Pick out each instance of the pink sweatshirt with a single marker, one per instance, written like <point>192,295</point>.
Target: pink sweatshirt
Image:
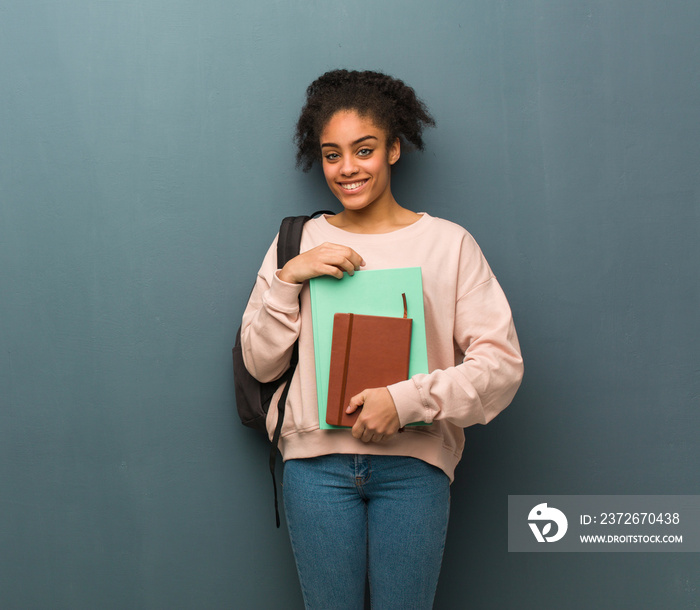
<point>473,353</point>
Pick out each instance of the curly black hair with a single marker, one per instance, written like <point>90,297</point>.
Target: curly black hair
<point>388,101</point>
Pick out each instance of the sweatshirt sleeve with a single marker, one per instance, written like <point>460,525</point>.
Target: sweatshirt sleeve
<point>485,381</point>
<point>271,322</point>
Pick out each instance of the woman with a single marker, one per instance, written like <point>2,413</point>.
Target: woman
<point>374,500</point>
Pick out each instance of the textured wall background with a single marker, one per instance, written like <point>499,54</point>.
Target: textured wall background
<point>145,162</point>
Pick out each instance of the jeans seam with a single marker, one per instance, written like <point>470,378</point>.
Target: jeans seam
<point>360,482</point>
<point>369,576</point>
<point>304,589</point>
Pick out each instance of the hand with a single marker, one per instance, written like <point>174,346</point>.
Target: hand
<point>326,259</point>
<point>378,420</point>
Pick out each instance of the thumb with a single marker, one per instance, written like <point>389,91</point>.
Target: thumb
<point>355,403</point>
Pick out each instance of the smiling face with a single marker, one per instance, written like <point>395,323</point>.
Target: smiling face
<point>356,161</point>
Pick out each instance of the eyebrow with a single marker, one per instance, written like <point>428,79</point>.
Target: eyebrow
<point>362,139</point>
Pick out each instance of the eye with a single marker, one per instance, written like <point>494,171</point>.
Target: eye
<point>332,156</point>
<point>364,152</point>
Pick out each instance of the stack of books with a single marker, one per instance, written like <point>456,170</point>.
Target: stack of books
<point>369,331</point>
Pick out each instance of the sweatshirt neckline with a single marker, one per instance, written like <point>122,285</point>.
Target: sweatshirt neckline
<point>407,231</point>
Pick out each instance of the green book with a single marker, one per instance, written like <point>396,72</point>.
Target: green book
<point>376,293</point>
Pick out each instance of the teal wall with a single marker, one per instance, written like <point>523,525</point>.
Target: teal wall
<point>145,162</point>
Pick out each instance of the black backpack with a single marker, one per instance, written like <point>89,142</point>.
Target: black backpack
<point>253,397</point>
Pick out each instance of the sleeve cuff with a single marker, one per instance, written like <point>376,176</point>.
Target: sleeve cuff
<point>282,296</point>
<point>409,403</point>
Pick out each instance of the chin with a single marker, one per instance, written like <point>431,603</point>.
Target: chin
<point>354,206</point>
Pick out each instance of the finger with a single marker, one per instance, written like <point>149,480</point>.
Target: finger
<point>352,260</point>
<point>366,435</point>
<point>349,267</point>
<point>357,431</point>
<point>335,259</point>
<point>356,260</point>
<point>335,267</point>
<point>346,264</point>
<point>333,270</point>
<point>353,256</point>
<point>368,432</point>
<point>360,432</point>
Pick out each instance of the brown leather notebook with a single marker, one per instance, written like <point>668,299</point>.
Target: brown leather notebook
<point>366,352</point>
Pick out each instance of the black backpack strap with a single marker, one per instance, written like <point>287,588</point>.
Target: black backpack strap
<point>288,245</point>
<point>281,404</point>
<point>289,239</point>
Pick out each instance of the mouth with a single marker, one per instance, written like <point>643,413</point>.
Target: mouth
<point>353,186</point>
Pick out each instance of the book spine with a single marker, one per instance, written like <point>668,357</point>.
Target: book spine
<point>344,400</point>
<point>408,346</point>
<point>342,326</point>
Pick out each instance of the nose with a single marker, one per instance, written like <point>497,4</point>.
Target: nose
<point>348,166</point>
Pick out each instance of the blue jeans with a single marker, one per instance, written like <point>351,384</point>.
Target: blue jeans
<point>355,515</point>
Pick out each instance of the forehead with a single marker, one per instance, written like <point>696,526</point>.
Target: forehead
<point>348,125</point>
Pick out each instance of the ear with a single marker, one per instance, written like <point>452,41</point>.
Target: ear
<point>394,151</point>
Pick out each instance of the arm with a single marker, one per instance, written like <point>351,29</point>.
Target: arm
<point>484,383</point>
<point>271,321</point>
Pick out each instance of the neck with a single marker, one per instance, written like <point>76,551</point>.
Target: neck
<point>375,219</point>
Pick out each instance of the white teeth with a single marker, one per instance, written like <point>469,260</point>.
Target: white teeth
<point>353,186</point>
